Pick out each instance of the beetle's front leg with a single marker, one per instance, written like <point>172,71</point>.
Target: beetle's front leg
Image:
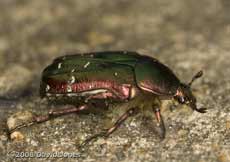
<point>109,131</point>
<point>160,123</point>
<point>52,114</point>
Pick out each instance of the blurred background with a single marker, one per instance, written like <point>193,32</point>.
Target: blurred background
<point>185,35</point>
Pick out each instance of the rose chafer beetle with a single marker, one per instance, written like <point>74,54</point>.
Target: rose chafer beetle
<point>113,77</point>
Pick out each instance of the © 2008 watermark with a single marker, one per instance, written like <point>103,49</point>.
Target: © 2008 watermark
<point>40,154</point>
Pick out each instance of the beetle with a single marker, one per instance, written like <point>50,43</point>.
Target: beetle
<point>113,77</point>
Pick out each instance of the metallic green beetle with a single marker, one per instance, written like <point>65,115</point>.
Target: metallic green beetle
<point>113,77</point>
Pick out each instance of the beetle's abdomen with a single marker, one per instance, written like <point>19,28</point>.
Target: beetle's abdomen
<point>97,89</point>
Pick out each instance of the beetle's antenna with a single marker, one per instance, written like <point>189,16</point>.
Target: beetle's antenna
<point>198,75</point>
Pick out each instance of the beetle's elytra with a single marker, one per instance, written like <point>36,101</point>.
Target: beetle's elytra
<point>115,76</point>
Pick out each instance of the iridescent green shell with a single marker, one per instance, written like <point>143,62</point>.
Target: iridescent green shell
<point>121,67</point>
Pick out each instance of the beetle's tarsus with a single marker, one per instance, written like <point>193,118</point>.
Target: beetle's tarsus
<point>21,126</point>
<point>51,114</point>
<point>201,110</point>
<point>160,123</point>
<point>109,131</point>
<point>103,134</point>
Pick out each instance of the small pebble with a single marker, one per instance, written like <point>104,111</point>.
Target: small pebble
<point>16,136</point>
<point>18,118</point>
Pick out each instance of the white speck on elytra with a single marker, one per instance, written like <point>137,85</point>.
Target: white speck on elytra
<point>86,65</point>
<point>72,80</point>
<point>69,88</point>
<point>59,65</point>
<point>115,74</point>
<point>73,70</point>
<point>47,88</point>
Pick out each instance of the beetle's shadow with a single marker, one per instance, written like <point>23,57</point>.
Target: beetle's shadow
<point>96,107</point>
<point>29,90</point>
<point>12,98</point>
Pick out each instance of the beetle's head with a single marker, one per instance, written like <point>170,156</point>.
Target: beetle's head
<point>184,94</point>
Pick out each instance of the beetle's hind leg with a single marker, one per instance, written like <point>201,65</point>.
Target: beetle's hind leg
<point>109,131</point>
<point>52,114</point>
<point>160,123</point>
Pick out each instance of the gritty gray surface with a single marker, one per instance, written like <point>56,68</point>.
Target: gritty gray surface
<point>185,35</point>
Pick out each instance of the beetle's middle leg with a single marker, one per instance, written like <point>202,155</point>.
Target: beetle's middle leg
<point>110,130</point>
<point>52,114</point>
<point>160,123</point>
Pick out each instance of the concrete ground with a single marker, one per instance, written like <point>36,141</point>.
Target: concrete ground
<point>185,35</point>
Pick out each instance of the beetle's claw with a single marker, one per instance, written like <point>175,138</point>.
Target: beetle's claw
<point>160,129</point>
<point>88,140</point>
<point>20,126</point>
<point>201,110</point>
